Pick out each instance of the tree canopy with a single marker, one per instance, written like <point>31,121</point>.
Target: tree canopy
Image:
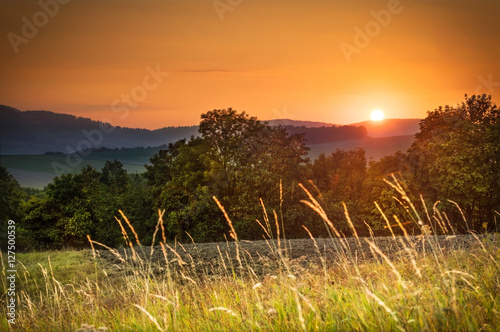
<point>456,156</point>
<point>254,170</point>
<point>237,159</point>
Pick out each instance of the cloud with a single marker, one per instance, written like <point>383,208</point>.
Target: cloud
<point>227,71</point>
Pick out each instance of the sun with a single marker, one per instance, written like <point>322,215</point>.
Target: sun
<point>377,115</point>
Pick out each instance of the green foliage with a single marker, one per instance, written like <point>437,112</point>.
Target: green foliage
<point>11,202</point>
<point>237,159</point>
<point>11,197</point>
<point>241,161</point>
<point>376,190</point>
<point>456,156</point>
<point>76,205</point>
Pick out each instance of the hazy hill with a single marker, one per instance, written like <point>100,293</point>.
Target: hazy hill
<point>37,132</point>
<point>319,135</point>
<point>299,123</point>
<point>37,171</point>
<point>391,127</point>
<point>384,128</point>
<point>26,137</point>
<point>375,147</point>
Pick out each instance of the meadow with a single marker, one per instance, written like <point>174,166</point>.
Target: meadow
<point>36,171</point>
<point>430,282</point>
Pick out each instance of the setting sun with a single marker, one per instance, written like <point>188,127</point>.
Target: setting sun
<point>377,115</point>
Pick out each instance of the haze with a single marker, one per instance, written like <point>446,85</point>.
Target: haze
<point>302,60</point>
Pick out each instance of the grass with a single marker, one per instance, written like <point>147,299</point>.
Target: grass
<point>439,289</point>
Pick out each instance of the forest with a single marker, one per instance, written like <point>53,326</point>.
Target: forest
<point>257,172</point>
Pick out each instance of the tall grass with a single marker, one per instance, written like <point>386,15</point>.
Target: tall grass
<point>406,283</point>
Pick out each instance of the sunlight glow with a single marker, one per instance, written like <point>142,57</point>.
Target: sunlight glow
<point>377,115</point>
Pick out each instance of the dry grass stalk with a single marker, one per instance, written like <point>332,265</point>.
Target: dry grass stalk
<point>277,231</point>
<point>127,240</point>
<point>180,261</point>
<point>266,219</point>
<point>386,220</point>
<point>315,206</point>
<point>160,213</point>
<point>387,260</point>
<point>351,225</point>
<point>131,227</point>
<point>112,250</point>
<point>155,322</point>
<point>233,231</point>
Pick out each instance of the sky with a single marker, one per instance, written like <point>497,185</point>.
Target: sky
<point>156,63</point>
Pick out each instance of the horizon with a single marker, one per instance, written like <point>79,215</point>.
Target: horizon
<point>136,64</point>
<point>375,122</point>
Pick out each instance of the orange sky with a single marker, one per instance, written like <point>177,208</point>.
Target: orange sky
<point>273,59</point>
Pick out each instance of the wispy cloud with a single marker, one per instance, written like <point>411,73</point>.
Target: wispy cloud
<point>226,71</point>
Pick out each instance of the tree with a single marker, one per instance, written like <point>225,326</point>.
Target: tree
<point>340,178</point>
<point>456,156</point>
<point>137,204</point>
<point>375,189</point>
<point>11,197</point>
<point>11,202</point>
<point>238,159</point>
<point>114,176</point>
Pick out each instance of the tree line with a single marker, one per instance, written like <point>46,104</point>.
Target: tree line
<point>254,170</point>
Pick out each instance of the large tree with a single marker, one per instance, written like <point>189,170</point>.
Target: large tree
<point>236,158</point>
<point>456,156</point>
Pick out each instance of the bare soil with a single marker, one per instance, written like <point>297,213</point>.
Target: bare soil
<point>268,257</point>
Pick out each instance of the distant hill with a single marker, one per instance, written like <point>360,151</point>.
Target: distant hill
<point>319,135</point>
<point>37,132</point>
<point>375,147</point>
<point>27,136</point>
<point>299,123</point>
<point>384,128</point>
<point>36,170</point>
<point>391,127</point>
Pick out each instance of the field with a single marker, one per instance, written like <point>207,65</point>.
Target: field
<point>438,283</point>
<point>375,147</point>
<point>36,171</point>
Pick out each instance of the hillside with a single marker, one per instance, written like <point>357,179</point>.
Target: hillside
<point>36,170</point>
<point>299,123</point>
<point>37,132</point>
<point>384,128</point>
<point>26,137</point>
<point>390,127</point>
<point>375,147</point>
